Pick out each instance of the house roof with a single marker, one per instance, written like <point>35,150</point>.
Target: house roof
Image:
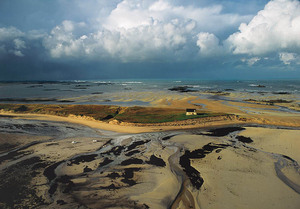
<point>190,110</point>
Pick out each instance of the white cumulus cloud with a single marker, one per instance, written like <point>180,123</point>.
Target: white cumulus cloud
<point>275,28</point>
<point>11,41</point>
<point>135,44</point>
<point>144,30</point>
<point>10,33</point>
<point>164,31</point>
<point>208,44</point>
<point>251,61</point>
<point>288,58</point>
<point>62,40</point>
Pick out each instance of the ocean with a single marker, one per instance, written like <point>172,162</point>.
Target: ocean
<point>114,92</point>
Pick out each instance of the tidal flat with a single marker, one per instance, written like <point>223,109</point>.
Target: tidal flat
<point>125,145</point>
<point>48,163</point>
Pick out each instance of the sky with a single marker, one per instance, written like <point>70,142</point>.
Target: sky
<point>155,39</point>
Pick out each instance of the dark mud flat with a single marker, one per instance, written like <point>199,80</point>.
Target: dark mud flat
<point>7,146</point>
<point>136,144</point>
<point>105,162</point>
<point>24,175</point>
<point>110,187</point>
<point>6,116</point>
<point>110,174</point>
<point>49,172</point>
<point>219,132</point>
<point>128,174</point>
<point>191,172</point>
<point>17,153</point>
<point>114,150</point>
<point>132,161</point>
<point>132,152</point>
<point>87,169</point>
<point>15,185</point>
<point>156,161</point>
<point>244,139</point>
<point>65,184</point>
<point>113,175</point>
<point>168,137</point>
<point>82,159</point>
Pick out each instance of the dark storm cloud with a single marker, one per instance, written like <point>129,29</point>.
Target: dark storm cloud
<point>64,39</point>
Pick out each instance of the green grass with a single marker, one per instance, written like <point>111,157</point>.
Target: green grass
<point>98,112</point>
<point>154,118</point>
<point>106,112</point>
<point>158,115</point>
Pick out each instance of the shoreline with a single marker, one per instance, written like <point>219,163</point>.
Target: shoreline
<point>134,128</point>
<point>122,127</point>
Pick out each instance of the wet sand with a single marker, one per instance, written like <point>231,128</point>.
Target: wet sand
<point>47,162</point>
<point>249,160</point>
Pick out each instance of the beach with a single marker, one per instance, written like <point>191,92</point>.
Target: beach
<point>153,104</point>
<point>236,154</point>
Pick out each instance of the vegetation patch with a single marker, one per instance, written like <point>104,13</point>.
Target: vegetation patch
<point>98,112</point>
<point>158,115</point>
<point>15,185</point>
<point>108,112</point>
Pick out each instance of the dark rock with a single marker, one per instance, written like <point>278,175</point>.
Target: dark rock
<point>156,161</point>
<point>132,161</point>
<point>82,159</point>
<point>135,144</point>
<point>115,150</point>
<point>105,162</point>
<point>132,153</point>
<point>60,202</point>
<point>191,172</point>
<point>167,137</point>
<point>244,139</point>
<point>49,172</point>
<point>53,188</point>
<point>113,175</point>
<point>282,92</point>
<point>110,187</point>
<point>87,169</point>
<point>129,172</point>
<point>223,131</point>
<point>130,182</point>
<point>182,89</point>
<point>277,101</point>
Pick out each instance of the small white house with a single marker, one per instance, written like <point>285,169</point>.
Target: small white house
<point>191,112</point>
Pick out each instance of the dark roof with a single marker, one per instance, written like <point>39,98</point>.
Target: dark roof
<point>190,110</point>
